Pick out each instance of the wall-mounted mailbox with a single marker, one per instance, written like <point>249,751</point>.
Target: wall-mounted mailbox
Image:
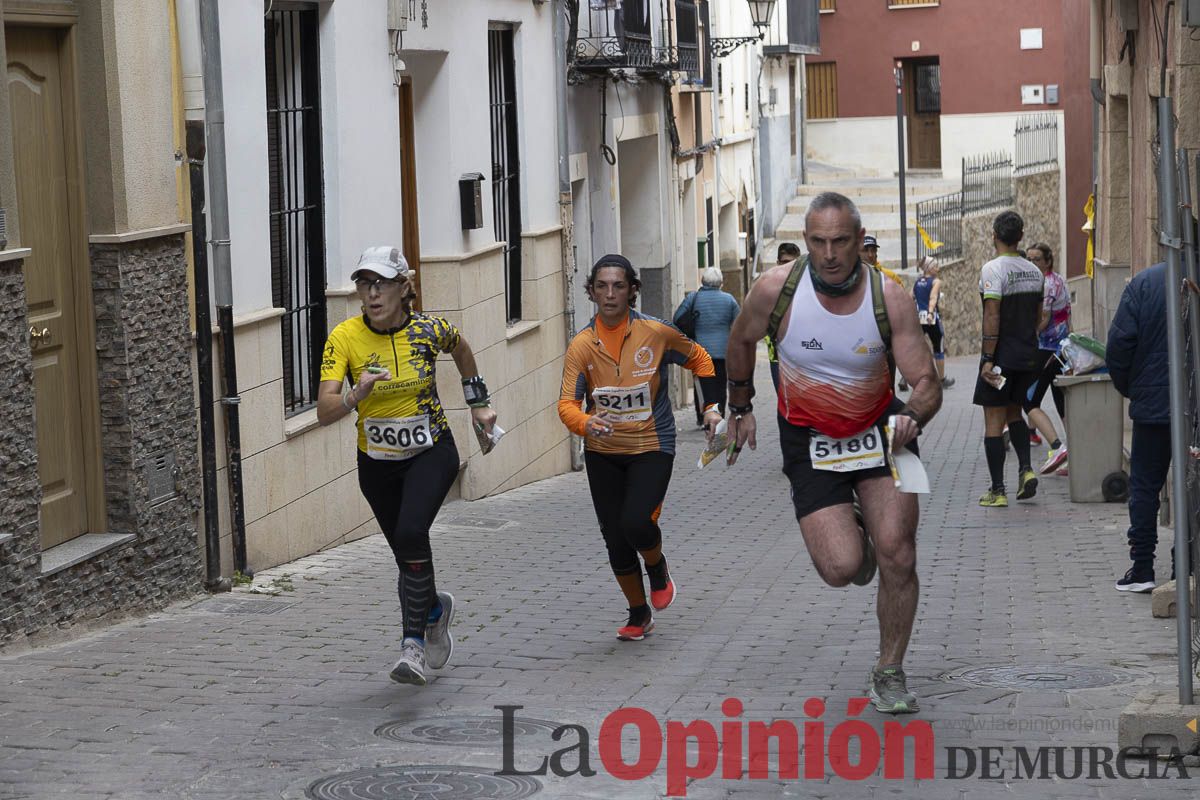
<point>470,199</point>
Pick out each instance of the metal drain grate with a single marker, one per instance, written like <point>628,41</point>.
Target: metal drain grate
<point>477,522</point>
<point>1055,677</point>
<point>462,730</point>
<point>231,606</point>
<point>422,783</point>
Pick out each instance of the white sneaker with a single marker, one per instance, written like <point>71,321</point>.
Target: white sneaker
<point>411,666</point>
<point>439,643</point>
<point>1054,460</point>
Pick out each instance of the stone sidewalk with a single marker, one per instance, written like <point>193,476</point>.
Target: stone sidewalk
<point>287,696</point>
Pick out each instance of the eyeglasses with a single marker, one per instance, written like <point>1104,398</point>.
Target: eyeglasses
<point>379,284</point>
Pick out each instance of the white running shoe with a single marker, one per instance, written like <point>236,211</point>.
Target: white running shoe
<point>1054,460</point>
<point>439,642</point>
<point>411,666</point>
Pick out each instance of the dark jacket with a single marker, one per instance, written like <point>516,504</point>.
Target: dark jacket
<point>1137,347</point>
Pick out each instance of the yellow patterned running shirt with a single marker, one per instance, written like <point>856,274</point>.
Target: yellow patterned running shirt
<point>408,353</point>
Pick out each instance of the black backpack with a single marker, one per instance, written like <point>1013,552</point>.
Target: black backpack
<point>881,317</point>
<point>686,320</point>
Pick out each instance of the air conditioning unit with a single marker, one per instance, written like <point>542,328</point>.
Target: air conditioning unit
<point>397,15</point>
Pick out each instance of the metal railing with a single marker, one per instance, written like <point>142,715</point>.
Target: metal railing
<point>941,218</point>
<point>987,182</point>
<point>1036,143</point>
<point>635,34</point>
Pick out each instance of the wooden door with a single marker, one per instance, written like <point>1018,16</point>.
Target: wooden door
<point>408,186</point>
<point>923,104</point>
<point>43,140</point>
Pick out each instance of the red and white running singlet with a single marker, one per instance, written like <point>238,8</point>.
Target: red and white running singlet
<point>833,369</point>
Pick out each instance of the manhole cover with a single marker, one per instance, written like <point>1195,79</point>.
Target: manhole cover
<point>477,522</point>
<point>1042,676</point>
<point>224,606</point>
<point>422,783</point>
<point>462,731</point>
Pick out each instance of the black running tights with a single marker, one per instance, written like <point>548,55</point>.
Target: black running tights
<point>627,491</point>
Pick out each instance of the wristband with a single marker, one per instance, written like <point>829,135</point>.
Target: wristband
<point>987,358</point>
<point>746,409</point>
<point>736,384</point>
<point>475,392</point>
<point>346,405</point>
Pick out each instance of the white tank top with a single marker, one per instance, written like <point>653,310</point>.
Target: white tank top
<point>833,369</point>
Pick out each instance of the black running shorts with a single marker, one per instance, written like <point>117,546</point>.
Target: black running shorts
<point>1016,387</point>
<point>814,489</point>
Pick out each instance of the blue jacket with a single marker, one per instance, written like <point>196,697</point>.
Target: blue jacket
<point>1137,347</point>
<point>717,310</point>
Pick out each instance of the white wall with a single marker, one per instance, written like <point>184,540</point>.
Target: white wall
<point>449,65</point>
<point>869,143</point>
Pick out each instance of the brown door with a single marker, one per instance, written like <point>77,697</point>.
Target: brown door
<point>408,186</point>
<point>43,142</point>
<point>923,104</point>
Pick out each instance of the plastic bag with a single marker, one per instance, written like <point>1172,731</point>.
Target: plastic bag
<point>1093,346</point>
<point>1077,359</point>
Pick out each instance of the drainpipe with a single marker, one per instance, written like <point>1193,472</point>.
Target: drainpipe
<point>214,123</point>
<point>1095,82</point>
<point>208,445</point>
<point>566,210</point>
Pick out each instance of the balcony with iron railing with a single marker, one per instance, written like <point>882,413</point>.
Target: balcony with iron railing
<point>651,36</point>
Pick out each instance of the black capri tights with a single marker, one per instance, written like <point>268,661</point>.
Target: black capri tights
<point>1045,380</point>
<point>405,496</point>
<point>627,491</point>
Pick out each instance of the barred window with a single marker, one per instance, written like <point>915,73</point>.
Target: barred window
<point>297,218</point>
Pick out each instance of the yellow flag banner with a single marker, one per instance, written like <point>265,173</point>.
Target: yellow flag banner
<point>930,244</point>
<point>1089,227</point>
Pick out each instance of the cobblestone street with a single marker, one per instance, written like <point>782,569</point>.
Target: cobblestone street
<point>287,696</point>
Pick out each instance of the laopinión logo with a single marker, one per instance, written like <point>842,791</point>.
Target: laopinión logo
<point>852,750</point>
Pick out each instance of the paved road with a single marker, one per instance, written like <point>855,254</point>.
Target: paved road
<point>255,696</point>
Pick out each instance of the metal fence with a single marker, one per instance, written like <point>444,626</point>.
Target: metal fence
<point>987,182</point>
<point>941,219</point>
<point>1036,143</point>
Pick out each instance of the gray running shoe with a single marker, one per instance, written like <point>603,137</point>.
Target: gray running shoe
<point>888,690</point>
<point>439,643</point>
<point>866,571</point>
<point>411,666</point>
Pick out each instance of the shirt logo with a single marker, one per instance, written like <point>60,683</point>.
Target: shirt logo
<point>643,357</point>
<point>812,344</point>
<point>864,348</point>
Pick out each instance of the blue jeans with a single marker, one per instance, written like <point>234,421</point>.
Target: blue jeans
<point>1148,462</point>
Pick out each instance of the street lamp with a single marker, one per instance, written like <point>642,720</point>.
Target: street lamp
<point>760,13</point>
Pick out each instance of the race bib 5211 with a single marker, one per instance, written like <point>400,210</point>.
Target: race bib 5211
<point>627,403</point>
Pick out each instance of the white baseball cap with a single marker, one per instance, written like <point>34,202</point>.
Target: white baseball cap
<point>385,261</point>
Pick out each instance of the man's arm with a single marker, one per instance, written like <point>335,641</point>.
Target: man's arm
<point>741,353</point>
<point>1122,342</point>
<point>913,360</point>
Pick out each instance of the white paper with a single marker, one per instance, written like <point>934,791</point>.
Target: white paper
<point>913,479</point>
<point>907,469</point>
<point>1031,38</point>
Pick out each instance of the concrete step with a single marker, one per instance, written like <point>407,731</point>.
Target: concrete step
<point>884,188</point>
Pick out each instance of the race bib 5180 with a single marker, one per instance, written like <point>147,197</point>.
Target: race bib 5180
<point>864,451</point>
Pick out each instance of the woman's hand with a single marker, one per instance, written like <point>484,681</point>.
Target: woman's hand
<point>712,418</point>
<point>367,381</point>
<point>483,418</point>
<point>599,424</point>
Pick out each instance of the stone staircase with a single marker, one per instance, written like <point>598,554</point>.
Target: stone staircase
<point>878,200</point>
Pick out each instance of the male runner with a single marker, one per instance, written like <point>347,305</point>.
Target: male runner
<point>835,394</point>
<point>1011,289</point>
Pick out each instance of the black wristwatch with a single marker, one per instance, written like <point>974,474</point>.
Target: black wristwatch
<point>746,409</point>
